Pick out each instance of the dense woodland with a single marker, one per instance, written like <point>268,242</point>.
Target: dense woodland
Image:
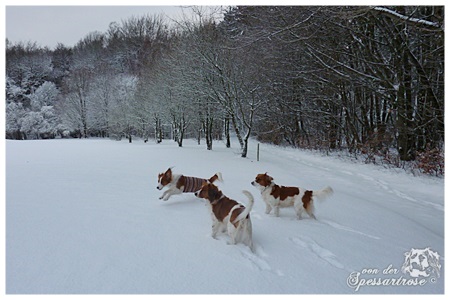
<point>363,79</point>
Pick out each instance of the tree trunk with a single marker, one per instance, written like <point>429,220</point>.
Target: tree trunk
<point>405,122</point>
<point>227,132</point>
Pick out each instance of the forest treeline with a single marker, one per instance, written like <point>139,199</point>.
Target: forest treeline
<point>365,79</point>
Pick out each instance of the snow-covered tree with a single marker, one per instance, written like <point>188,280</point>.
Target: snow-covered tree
<point>122,118</point>
<point>14,115</point>
<point>44,95</point>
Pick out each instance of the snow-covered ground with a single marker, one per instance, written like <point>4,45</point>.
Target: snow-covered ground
<point>83,216</point>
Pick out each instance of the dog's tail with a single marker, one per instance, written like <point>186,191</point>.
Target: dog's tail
<point>217,176</point>
<point>323,194</point>
<point>248,207</point>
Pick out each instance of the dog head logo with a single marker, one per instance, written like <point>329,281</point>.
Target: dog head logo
<point>421,263</point>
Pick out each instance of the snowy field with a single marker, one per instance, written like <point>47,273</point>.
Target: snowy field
<point>83,216</point>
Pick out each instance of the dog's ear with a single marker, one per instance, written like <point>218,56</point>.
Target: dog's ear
<point>268,177</point>
<point>213,193</point>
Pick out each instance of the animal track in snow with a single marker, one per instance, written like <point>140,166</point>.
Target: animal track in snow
<point>346,172</point>
<point>385,186</point>
<point>427,203</point>
<point>318,250</point>
<point>260,263</point>
<point>256,259</point>
<point>345,228</point>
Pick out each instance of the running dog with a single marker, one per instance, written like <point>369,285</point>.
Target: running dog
<point>177,183</point>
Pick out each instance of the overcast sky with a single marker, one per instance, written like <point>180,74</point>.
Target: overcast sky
<point>43,22</point>
<point>49,25</point>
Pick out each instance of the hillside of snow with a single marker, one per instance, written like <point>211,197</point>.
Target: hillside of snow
<point>83,216</point>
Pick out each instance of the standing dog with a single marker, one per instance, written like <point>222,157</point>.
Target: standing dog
<point>229,213</point>
<point>277,196</point>
<point>177,184</point>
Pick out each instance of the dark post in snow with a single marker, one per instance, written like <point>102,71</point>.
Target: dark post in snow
<point>257,152</point>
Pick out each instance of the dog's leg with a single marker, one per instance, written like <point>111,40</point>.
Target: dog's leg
<point>298,206</point>
<point>232,239</point>
<point>215,228</point>
<point>170,193</point>
<point>163,195</point>
<point>248,235</point>
<point>310,211</point>
<point>232,232</point>
<point>298,211</point>
<point>167,195</point>
<point>249,244</point>
<point>277,210</point>
<point>268,208</point>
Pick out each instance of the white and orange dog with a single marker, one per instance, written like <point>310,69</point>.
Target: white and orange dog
<point>228,213</point>
<point>276,196</point>
<point>177,183</point>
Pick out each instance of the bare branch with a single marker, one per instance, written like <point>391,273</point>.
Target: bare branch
<point>393,14</point>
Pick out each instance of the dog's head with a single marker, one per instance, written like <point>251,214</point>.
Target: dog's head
<point>164,179</point>
<point>209,192</point>
<point>421,262</point>
<point>262,181</point>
